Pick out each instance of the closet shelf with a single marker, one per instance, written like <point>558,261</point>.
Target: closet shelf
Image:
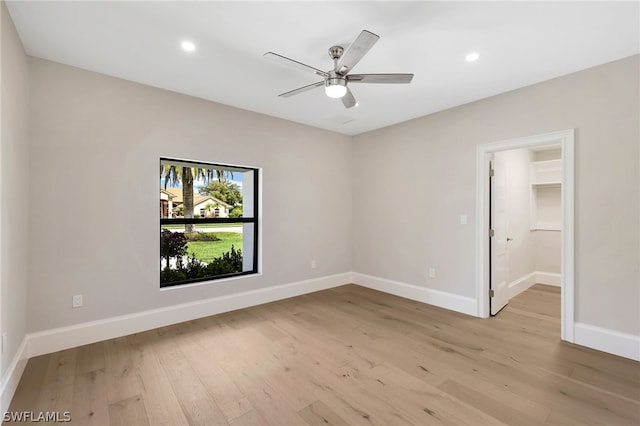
<point>547,185</point>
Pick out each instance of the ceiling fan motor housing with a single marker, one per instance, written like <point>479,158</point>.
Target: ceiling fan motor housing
<point>335,79</point>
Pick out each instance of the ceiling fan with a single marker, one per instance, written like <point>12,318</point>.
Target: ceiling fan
<point>335,81</point>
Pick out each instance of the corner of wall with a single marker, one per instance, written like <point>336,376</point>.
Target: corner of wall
<point>11,378</point>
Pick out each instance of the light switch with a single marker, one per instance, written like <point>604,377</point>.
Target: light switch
<point>463,219</point>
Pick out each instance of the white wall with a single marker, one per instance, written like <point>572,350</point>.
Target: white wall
<point>15,172</point>
<point>547,251</point>
<point>428,164</point>
<point>104,137</point>
<point>548,207</point>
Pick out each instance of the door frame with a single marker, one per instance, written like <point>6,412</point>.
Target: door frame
<point>565,139</point>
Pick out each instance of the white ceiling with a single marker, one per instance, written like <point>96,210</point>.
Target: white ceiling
<point>520,43</point>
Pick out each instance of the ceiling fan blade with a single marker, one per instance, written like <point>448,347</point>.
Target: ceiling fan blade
<point>379,78</point>
<point>290,62</point>
<point>348,100</point>
<point>301,89</point>
<point>356,51</point>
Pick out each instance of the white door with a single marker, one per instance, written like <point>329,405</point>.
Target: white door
<point>498,223</point>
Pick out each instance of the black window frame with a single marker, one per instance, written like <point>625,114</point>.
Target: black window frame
<point>184,221</point>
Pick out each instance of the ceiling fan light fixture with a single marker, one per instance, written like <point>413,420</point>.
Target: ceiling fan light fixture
<point>336,88</point>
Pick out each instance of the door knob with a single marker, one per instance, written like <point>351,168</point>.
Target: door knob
<point>509,239</point>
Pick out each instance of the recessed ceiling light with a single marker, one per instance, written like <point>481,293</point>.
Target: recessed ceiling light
<point>188,46</point>
<point>472,56</point>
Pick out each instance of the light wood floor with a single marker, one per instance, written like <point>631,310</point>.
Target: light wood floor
<point>346,356</point>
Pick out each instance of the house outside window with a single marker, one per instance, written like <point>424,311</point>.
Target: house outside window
<point>208,221</point>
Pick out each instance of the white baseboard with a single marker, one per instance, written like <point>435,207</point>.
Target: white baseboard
<point>606,340</point>
<point>11,378</point>
<point>548,278</point>
<point>57,339</point>
<point>442,299</point>
<point>521,284</point>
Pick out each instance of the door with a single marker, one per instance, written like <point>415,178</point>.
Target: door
<point>498,248</point>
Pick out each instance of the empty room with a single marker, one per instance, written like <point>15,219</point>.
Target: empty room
<point>320,213</point>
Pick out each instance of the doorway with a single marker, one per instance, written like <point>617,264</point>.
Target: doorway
<point>525,195</point>
<point>485,155</point>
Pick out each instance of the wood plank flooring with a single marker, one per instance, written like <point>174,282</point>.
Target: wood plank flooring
<point>345,356</point>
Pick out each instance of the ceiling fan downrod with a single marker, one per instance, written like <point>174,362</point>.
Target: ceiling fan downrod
<point>335,83</point>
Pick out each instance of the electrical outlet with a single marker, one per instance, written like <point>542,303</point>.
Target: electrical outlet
<point>314,264</point>
<point>77,301</point>
<point>464,219</point>
<point>432,272</point>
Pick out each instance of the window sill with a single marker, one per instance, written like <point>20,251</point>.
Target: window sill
<point>209,282</point>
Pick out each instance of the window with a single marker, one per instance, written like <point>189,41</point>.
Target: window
<point>208,221</point>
